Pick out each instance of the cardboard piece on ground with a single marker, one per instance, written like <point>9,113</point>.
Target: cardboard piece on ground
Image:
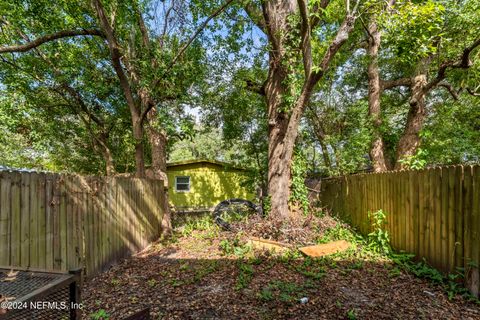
<point>321,250</point>
<point>264,244</point>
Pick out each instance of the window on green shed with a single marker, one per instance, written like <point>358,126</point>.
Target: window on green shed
<point>182,184</point>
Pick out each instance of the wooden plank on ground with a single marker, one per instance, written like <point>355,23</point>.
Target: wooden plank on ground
<point>325,249</point>
<point>269,245</point>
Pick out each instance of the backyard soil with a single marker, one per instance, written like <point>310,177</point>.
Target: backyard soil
<point>192,278</point>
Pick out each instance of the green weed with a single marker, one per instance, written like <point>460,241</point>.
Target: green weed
<point>245,275</point>
<point>265,294</point>
<point>152,282</point>
<point>205,270</point>
<point>204,223</point>
<point>378,239</point>
<point>351,314</point>
<point>100,315</point>
<point>311,268</point>
<point>115,282</point>
<point>339,232</point>
<point>235,247</point>
<point>184,267</point>
<point>283,291</point>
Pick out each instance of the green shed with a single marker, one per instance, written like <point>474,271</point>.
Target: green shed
<point>198,185</point>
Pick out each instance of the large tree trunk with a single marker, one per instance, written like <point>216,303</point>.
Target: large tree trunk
<point>410,139</point>
<point>283,131</point>
<point>158,142</point>
<point>279,166</point>
<point>283,115</point>
<point>279,149</point>
<point>377,150</point>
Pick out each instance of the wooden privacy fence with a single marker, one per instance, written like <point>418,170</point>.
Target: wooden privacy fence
<point>60,222</point>
<point>433,213</point>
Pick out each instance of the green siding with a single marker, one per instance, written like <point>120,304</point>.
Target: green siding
<point>209,184</point>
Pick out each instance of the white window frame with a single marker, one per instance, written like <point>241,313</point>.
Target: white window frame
<point>189,183</point>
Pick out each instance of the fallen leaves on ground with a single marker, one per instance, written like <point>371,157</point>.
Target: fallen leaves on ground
<point>192,279</point>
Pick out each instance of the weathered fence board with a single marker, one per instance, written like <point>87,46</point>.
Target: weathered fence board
<point>433,213</point>
<point>58,221</point>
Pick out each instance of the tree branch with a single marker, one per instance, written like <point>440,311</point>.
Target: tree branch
<point>149,106</point>
<point>255,15</point>
<point>51,37</point>
<point>115,56</point>
<point>83,106</point>
<point>255,87</point>
<point>473,93</point>
<point>316,11</point>
<point>449,88</point>
<point>198,31</point>
<point>390,84</point>
<point>165,24</point>
<point>306,44</point>
<point>342,36</point>
<point>463,62</point>
<point>141,26</point>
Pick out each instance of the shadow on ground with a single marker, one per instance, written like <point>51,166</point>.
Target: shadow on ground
<point>191,279</point>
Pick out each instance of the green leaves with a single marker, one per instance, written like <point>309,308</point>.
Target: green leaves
<point>417,161</point>
<point>413,29</point>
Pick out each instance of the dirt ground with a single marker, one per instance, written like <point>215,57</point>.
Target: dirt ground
<point>193,278</point>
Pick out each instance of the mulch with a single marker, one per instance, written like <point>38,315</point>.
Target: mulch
<point>191,279</point>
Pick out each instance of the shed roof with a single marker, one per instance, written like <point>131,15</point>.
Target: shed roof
<point>203,161</point>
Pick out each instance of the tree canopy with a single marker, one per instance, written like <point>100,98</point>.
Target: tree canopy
<point>333,86</point>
